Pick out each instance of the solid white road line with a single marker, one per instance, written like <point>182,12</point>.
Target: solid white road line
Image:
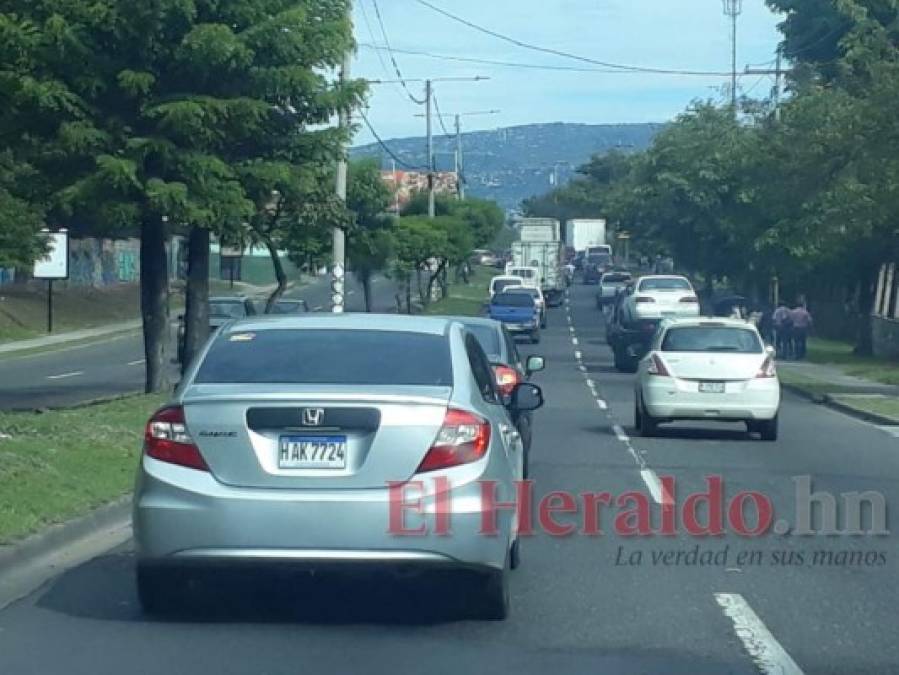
<point>758,641</point>
<point>136,363</point>
<point>63,376</point>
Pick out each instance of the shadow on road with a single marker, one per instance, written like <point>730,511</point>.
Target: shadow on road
<point>270,596</point>
<point>698,433</point>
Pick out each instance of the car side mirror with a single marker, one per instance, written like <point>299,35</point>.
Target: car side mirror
<point>535,364</point>
<point>526,397</point>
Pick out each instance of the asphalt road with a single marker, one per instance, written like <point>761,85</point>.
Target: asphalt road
<point>113,367</point>
<point>576,607</point>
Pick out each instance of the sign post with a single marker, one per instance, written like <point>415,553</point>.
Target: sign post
<point>54,265</point>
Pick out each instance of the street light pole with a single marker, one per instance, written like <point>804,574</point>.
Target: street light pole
<point>733,9</point>
<point>432,207</point>
<point>460,166</point>
<point>338,236</point>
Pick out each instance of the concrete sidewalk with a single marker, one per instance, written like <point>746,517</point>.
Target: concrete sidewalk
<point>823,375</point>
<point>68,337</point>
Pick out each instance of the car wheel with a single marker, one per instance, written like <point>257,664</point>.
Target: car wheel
<point>649,426</point>
<point>638,419</point>
<point>535,337</point>
<point>495,595</point>
<point>515,554</point>
<point>619,361</point>
<point>768,429</point>
<point>159,592</point>
<point>543,322</point>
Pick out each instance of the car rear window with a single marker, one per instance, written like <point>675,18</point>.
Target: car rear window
<point>599,259</point>
<point>616,278</point>
<point>513,300</point>
<point>233,310</point>
<point>527,291</point>
<point>500,285</point>
<point>523,273</point>
<point>665,285</point>
<point>319,356</point>
<point>712,339</point>
<point>487,337</point>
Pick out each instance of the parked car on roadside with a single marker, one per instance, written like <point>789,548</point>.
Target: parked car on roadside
<point>221,310</point>
<point>278,447</point>
<point>708,369</point>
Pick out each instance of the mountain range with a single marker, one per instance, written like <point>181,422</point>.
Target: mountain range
<point>514,163</point>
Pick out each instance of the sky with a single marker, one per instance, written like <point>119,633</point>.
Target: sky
<point>669,34</point>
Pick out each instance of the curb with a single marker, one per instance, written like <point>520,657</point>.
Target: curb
<point>62,535</point>
<point>874,418</point>
<point>828,401</point>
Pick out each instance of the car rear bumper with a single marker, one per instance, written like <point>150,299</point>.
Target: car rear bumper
<point>522,327</point>
<point>671,398</point>
<point>187,517</point>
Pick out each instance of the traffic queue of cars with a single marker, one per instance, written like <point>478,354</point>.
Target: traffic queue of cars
<point>291,438</point>
<point>688,367</point>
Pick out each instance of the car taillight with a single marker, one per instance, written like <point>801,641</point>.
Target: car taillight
<point>462,439</point>
<point>657,367</point>
<point>506,379</point>
<point>692,299</point>
<point>644,299</point>
<point>167,439</point>
<point>768,369</point>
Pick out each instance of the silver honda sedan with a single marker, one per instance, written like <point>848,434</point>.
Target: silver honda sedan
<point>320,439</point>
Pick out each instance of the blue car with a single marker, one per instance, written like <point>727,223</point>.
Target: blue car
<point>518,312</point>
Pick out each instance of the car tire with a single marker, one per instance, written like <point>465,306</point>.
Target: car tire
<point>535,337</point>
<point>515,554</point>
<point>768,429</point>
<point>638,418</point>
<point>543,322</point>
<point>649,426</point>
<point>159,592</point>
<point>495,594</point>
<point>618,359</point>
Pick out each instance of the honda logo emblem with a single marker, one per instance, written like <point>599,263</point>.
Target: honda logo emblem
<point>313,417</point>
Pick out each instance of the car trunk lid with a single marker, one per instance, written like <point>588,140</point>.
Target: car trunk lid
<point>713,366</point>
<point>247,433</point>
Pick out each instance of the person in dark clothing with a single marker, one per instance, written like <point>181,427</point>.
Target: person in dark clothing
<point>783,330</point>
<point>802,324</point>
<point>766,324</point>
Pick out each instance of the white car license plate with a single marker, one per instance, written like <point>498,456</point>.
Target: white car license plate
<point>711,387</point>
<point>312,452</point>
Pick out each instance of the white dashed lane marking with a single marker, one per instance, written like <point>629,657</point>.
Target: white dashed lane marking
<point>760,644</point>
<point>62,376</point>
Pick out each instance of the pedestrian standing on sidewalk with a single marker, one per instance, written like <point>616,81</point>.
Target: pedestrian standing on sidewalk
<point>802,325</point>
<point>783,324</point>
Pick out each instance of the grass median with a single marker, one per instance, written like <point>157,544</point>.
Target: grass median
<point>840,355</point>
<point>465,299</point>
<point>886,407</point>
<point>60,464</point>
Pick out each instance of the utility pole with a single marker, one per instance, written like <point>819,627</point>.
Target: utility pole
<point>778,72</point>
<point>733,9</point>
<point>432,209</point>
<point>338,236</point>
<point>459,161</point>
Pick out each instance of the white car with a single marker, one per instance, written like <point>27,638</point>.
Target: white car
<point>708,369</point>
<point>501,282</point>
<point>530,275</point>
<point>660,297</point>
<point>610,284</point>
<point>539,300</point>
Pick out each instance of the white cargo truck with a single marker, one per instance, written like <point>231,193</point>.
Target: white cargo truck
<point>540,248</point>
<point>582,233</point>
<point>539,229</point>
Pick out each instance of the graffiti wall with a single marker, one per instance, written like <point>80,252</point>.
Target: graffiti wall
<point>103,262</point>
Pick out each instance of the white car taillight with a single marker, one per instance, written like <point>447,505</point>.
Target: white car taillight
<point>657,367</point>
<point>768,369</point>
<point>463,438</point>
<point>692,299</point>
<point>644,299</point>
<point>166,438</point>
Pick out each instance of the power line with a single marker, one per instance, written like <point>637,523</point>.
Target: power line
<point>567,55</point>
<point>439,115</point>
<point>392,57</point>
<point>383,63</point>
<point>386,148</point>
<point>507,64</point>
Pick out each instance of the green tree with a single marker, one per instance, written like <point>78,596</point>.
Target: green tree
<point>370,241</point>
<point>139,115</point>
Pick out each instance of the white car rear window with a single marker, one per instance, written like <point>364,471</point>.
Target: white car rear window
<point>712,339</point>
<point>665,285</point>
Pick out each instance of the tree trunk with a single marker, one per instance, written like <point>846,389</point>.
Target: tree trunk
<point>408,293</point>
<point>154,296</point>
<point>279,275</point>
<point>864,345</point>
<point>424,297</point>
<point>196,306</point>
<point>435,278</point>
<point>364,277</point>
